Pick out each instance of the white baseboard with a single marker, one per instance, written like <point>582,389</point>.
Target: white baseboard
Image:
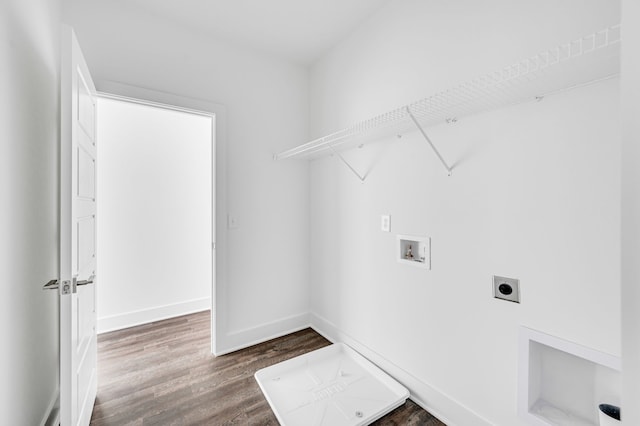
<point>442,406</point>
<point>241,339</point>
<point>52,414</point>
<point>144,316</point>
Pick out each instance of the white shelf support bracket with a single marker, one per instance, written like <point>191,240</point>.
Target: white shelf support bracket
<point>433,147</point>
<point>346,163</point>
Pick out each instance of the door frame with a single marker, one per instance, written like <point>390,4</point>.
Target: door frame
<point>123,92</point>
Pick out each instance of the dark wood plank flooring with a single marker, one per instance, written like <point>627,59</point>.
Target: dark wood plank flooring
<point>164,374</point>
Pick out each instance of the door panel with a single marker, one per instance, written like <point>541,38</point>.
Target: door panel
<point>78,349</point>
<point>86,174</point>
<point>86,245</point>
<point>86,107</point>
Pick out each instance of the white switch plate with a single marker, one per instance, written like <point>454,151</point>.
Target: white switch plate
<point>232,222</point>
<point>385,223</point>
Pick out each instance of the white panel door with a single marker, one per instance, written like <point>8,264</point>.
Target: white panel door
<point>78,350</point>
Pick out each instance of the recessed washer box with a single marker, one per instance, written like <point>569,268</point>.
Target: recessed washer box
<point>414,251</point>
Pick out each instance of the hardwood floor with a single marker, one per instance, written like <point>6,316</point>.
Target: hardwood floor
<point>164,374</point>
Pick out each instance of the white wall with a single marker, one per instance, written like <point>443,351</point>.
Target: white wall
<point>154,231</point>
<point>29,117</point>
<point>535,194</point>
<point>630,85</point>
<point>265,291</point>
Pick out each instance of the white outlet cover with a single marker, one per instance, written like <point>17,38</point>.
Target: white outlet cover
<point>385,223</point>
<point>511,292</point>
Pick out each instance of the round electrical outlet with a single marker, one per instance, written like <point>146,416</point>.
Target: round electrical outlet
<point>505,289</point>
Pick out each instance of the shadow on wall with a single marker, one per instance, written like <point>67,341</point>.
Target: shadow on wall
<point>29,83</point>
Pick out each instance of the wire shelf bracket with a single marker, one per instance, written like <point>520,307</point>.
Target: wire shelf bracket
<point>433,147</point>
<point>349,166</point>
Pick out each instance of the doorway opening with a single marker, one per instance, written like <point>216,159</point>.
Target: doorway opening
<point>156,215</point>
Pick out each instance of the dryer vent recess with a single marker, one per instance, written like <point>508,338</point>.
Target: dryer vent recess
<point>506,289</point>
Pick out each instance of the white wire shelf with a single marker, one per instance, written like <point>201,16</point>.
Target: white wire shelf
<point>577,63</point>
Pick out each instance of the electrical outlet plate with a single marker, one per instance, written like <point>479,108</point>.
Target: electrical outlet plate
<point>506,288</point>
<point>385,223</point>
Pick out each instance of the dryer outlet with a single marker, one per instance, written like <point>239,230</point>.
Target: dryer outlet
<point>506,288</point>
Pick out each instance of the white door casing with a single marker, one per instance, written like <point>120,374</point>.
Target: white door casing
<point>78,349</point>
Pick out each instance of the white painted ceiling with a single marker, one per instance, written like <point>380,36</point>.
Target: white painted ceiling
<point>296,30</point>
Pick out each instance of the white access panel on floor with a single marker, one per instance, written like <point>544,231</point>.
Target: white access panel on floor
<point>330,386</point>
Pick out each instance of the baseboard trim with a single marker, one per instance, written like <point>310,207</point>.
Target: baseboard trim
<point>52,414</point>
<point>431,399</point>
<point>131,319</point>
<point>241,339</point>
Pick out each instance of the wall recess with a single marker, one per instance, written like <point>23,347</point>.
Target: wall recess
<point>562,383</point>
<point>415,251</point>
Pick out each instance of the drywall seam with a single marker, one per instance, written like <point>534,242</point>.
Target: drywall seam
<point>431,399</point>
<point>244,338</point>
<point>130,319</point>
